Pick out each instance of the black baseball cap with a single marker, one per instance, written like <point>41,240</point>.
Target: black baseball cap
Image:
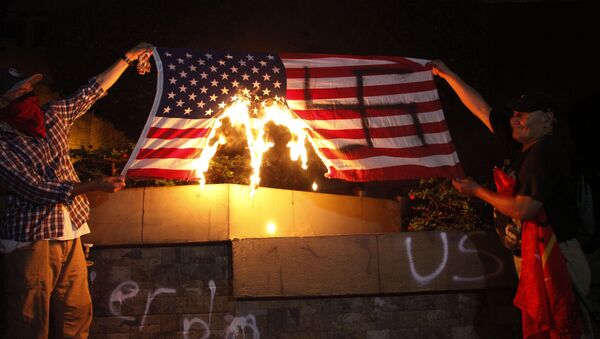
<point>11,79</point>
<point>534,101</point>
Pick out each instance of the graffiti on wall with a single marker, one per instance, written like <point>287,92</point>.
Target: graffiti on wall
<point>239,326</point>
<point>462,248</point>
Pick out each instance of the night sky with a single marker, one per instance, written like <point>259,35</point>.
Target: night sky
<point>501,48</point>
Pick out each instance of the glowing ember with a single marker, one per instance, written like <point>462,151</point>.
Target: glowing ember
<point>271,228</point>
<point>253,117</point>
<point>315,186</point>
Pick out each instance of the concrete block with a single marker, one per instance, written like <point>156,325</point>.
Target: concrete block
<point>269,213</point>
<point>116,219</point>
<point>181,214</point>
<point>185,214</point>
<point>320,214</point>
<point>340,265</point>
<point>381,215</point>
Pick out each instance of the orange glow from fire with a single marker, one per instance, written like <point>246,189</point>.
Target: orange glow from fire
<point>271,228</point>
<point>244,113</point>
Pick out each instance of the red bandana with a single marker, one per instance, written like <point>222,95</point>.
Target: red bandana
<point>25,115</point>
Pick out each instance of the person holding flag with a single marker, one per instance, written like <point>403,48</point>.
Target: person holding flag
<point>535,194</point>
<point>44,278</point>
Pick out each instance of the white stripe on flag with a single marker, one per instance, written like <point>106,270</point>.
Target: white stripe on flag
<point>178,123</point>
<point>393,99</point>
<point>368,80</point>
<point>172,163</point>
<point>150,143</point>
<point>399,142</point>
<point>342,164</point>
<point>386,161</point>
<point>331,62</point>
<point>376,122</point>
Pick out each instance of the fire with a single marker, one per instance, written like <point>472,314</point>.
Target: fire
<point>315,186</point>
<point>253,118</point>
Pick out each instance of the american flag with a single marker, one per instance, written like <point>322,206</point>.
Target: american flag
<point>370,117</point>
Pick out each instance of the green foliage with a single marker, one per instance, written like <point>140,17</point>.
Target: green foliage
<point>93,163</point>
<point>436,205</point>
<point>233,169</point>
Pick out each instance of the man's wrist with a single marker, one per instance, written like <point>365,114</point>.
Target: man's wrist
<point>479,191</point>
<point>127,60</point>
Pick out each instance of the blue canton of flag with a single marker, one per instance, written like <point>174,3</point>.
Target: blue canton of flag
<point>200,83</point>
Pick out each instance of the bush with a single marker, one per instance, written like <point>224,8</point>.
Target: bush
<point>92,163</point>
<point>436,205</point>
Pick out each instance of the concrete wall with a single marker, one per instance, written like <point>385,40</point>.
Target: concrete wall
<point>192,262</point>
<point>316,243</point>
<point>187,291</point>
<point>184,214</point>
<point>370,264</point>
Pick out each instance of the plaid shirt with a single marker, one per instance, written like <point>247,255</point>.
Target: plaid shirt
<point>37,173</point>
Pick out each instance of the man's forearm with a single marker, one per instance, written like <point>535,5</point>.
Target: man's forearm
<point>108,78</point>
<point>470,98</point>
<point>82,188</point>
<point>518,207</point>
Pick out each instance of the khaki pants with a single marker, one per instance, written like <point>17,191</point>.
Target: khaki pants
<point>46,291</point>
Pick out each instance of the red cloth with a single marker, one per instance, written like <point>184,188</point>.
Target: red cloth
<point>545,294</point>
<point>25,115</point>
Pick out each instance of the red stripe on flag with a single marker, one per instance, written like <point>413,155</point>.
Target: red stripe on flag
<point>369,152</point>
<point>169,153</point>
<point>397,173</point>
<point>348,71</point>
<point>384,132</point>
<point>151,173</point>
<point>321,114</point>
<point>174,133</point>
<point>367,91</point>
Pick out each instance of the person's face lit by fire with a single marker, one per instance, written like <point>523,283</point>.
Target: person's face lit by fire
<point>530,127</point>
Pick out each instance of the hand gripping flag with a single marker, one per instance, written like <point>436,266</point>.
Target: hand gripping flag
<point>368,118</point>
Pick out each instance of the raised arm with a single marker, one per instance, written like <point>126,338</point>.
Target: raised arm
<point>467,94</point>
<point>108,78</point>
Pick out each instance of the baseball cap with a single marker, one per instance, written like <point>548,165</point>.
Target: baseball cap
<point>533,101</point>
<point>11,79</point>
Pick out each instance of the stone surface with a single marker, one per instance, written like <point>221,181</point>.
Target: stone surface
<point>305,266</point>
<point>116,219</point>
<point>194,214</point>
<point>182,214</point>
<point>184,303</point>
<point>429,261</point>
<point>249,216</point>
<point>368,264</point>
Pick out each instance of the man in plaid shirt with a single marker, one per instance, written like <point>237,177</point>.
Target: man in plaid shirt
<point>46,211</point>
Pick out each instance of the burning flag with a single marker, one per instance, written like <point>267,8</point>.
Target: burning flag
<point>368,118</point>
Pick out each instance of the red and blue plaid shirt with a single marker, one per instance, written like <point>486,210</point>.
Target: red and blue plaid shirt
<point>37,173</point>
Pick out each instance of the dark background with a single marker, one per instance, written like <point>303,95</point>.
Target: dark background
<point>502,48</point>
